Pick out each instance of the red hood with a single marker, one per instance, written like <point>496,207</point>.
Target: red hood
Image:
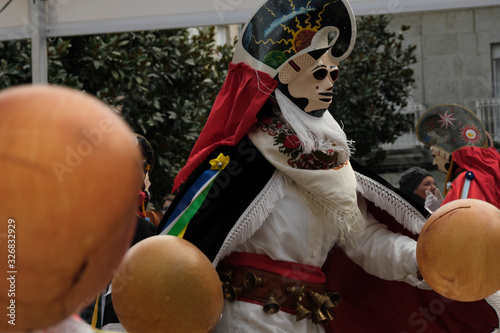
<point>485,164</point>
<point>243,94</point>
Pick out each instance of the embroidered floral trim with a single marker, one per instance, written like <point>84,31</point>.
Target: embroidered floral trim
<point>289,144</point>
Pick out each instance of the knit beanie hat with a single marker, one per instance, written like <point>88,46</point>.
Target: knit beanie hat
<point>411,178</point>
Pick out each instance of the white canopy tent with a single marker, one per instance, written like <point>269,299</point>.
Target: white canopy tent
<point>42,19</point>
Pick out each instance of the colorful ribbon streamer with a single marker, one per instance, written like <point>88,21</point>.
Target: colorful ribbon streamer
<point>194,198</point>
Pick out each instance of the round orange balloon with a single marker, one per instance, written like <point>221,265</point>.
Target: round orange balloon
<point>166,284</point>
<point>71,171</point>
<point>458,250</point>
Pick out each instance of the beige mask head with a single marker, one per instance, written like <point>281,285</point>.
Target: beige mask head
<point>308,82</point>
<point>285,38</point>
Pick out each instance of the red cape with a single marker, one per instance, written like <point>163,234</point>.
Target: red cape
<point>485,164</point>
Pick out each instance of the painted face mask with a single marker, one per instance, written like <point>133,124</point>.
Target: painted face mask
<point>441,159</point>
<point>308,82</point>
<point>280,31</point>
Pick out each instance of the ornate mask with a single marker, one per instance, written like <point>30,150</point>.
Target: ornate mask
<point>310,88</point>
<point>300,43</point>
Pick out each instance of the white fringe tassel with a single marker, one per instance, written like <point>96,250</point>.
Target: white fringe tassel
<point>350,222</point>
<point>391,202</point>
<point>255,214</point>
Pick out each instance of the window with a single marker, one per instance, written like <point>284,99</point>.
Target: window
<point>495,55</point>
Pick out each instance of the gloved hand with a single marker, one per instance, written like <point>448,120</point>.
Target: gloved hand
<point>433,201</point>
<point>416,279</point>
<point>423,285</point>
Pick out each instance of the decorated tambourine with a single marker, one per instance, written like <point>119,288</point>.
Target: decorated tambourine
<point>450,127</point>
<point>282,30</point>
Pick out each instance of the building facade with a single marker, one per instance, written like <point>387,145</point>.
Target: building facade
<point>458,62</point>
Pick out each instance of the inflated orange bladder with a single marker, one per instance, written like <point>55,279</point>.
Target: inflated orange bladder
<point>458,250</point>
<point>166,284</point>
<point>71,172</point>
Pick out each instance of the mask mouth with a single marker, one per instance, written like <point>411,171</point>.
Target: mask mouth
<point>326,94</point>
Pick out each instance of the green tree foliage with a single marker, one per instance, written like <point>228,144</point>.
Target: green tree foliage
<point>15,67</point>
<point>162,82</point>
<point>375,82</point>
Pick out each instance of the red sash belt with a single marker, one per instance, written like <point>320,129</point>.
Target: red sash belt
<point>291,287</point>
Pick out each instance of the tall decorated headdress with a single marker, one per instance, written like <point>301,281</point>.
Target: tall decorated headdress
<point>450,127</point>
<point>281,30</point>
<point>147,153</point>
<point>277,33</point>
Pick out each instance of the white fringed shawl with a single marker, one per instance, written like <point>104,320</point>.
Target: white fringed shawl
<point>389,201</point>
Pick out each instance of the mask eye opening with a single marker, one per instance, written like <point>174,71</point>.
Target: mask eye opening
<point>320,74</point>
<point>334,75</point>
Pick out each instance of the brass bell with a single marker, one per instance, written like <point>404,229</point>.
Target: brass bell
<point>252,281</point>
<point>231,293</point>
<point>226,276</point>
<point>271,306</point>
<point>318,316</point>
<point>328,314</point>
<point>301,312</point>
<point>296,292</point>
<point>321,301</point>
<point>334,297</point>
